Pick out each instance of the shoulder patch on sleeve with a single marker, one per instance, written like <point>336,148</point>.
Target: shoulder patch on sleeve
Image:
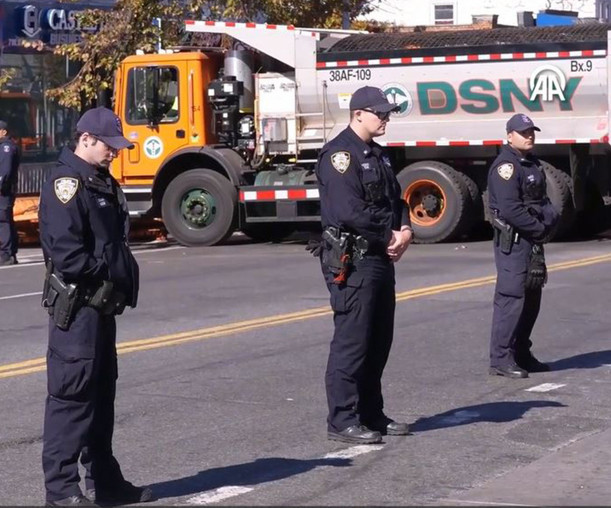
<point>505,171</point>
<point>65,188</point>
<point>341,161</point>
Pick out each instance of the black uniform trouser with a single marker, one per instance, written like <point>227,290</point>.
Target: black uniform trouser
<point>515,308</point>
<point>79,411</point>
<point>8,231</point>
<point>363,314</point>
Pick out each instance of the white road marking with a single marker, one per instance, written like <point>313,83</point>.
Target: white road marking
<point>20,296</point>
<point>487,503</point>
<point>545,387</point>
<point>216,495</point>
<point>21,265</point>
<point>222,493</point>
<point>38,257</point>
<point>10,297</point>
<point>353,451</point>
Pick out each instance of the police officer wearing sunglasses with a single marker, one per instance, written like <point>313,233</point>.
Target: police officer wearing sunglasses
<point>366,229</point>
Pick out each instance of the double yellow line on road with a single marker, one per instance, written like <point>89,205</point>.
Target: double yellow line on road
<point>39,364</point>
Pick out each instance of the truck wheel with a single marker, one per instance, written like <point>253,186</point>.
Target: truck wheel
<point>199,207</point>
<point>594,217</point>
<point>268,232</point>
<point>439,201</point>
<point>559,192</point>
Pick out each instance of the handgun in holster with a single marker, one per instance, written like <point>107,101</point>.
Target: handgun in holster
<point>337,257</point>
<point>344,249</point>
<point>61,299</point>
<point>504,235</point>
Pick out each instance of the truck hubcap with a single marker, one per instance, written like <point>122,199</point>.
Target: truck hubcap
<point>426,201</point>
<point>198,208</point>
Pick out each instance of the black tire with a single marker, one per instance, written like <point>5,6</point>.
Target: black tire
<point>263,232</point>
<point>486,205</point>
<point>439,200</point>
<point>199,207</point>
<point>560,194</point>
<point>594,217</point>
<point>476,214</point>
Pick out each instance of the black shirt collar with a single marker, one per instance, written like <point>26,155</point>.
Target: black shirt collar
<point>86,170</point>
<point>363,148</point>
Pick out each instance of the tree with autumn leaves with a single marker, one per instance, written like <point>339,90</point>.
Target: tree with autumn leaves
<point>134,25</point>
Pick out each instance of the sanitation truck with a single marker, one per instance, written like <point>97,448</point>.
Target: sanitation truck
<point>228,139</point>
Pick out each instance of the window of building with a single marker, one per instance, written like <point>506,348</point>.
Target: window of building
<point>152,93</point>
<point>39,126</point>
<point>444,14</point>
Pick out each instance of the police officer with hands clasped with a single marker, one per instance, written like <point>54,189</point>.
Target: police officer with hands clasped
<point>523,218</point>
<point>91,277</point>
<point>9,164</point>
<point>366,227</point>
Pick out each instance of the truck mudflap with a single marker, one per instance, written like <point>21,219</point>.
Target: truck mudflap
<point>265,204</point>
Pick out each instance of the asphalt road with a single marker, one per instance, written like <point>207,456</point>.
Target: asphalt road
<point>221,397</point>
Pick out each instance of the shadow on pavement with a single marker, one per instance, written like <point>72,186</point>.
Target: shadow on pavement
<point>496,412</point>
<point>251,473</point>
<point>591,360</point>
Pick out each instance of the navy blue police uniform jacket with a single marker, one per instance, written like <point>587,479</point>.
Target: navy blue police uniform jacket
<point>359,192</point>
<point>517,193</point>
<point>9,164</point>
<point>84,226</point>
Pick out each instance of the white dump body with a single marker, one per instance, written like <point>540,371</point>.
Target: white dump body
<point>469,99</point>
<point>461,98</point>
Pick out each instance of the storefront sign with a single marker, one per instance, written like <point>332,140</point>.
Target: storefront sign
<point>50,24</point>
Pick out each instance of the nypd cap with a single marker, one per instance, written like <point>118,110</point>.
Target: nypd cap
<point>520,122</point>
<point>105,125</point>
<point>372,98</point>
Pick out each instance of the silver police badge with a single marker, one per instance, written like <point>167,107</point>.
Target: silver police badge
<point>341,161</point>
<point>505,171</point>
<point>65,188</point>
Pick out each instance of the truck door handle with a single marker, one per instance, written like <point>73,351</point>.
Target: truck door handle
<point>180,133</point>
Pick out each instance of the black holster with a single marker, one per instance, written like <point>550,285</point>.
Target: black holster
<point>342,250</point>
<point>504,235</point>
<point>536,276</point>
<point>61,300</point>
<point>105,299</point>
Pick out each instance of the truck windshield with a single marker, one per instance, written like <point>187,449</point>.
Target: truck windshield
<point>152,92</point>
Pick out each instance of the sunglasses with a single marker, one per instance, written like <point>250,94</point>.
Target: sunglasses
<point>382,116</point>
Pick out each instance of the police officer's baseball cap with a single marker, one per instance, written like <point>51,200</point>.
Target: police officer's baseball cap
<point>105,125</point>
<point>520,122</point>
<point>372,98</point>
<point>3,125</point>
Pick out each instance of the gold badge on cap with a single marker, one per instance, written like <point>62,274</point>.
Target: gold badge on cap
<point>65,188</point>
<point>505,171</point>
<point>341,161</point>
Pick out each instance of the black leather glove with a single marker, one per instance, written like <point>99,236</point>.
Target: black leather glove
<point>314,247</point>
<point>536,277</point>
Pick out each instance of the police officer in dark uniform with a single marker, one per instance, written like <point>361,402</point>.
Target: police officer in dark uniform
<point>523,218</point>
<point>9,163</point>
<point>91,276</point>
<point>366,228</point>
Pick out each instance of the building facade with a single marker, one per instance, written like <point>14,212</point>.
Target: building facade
<point>29,31</point>
<point>462,12</point>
